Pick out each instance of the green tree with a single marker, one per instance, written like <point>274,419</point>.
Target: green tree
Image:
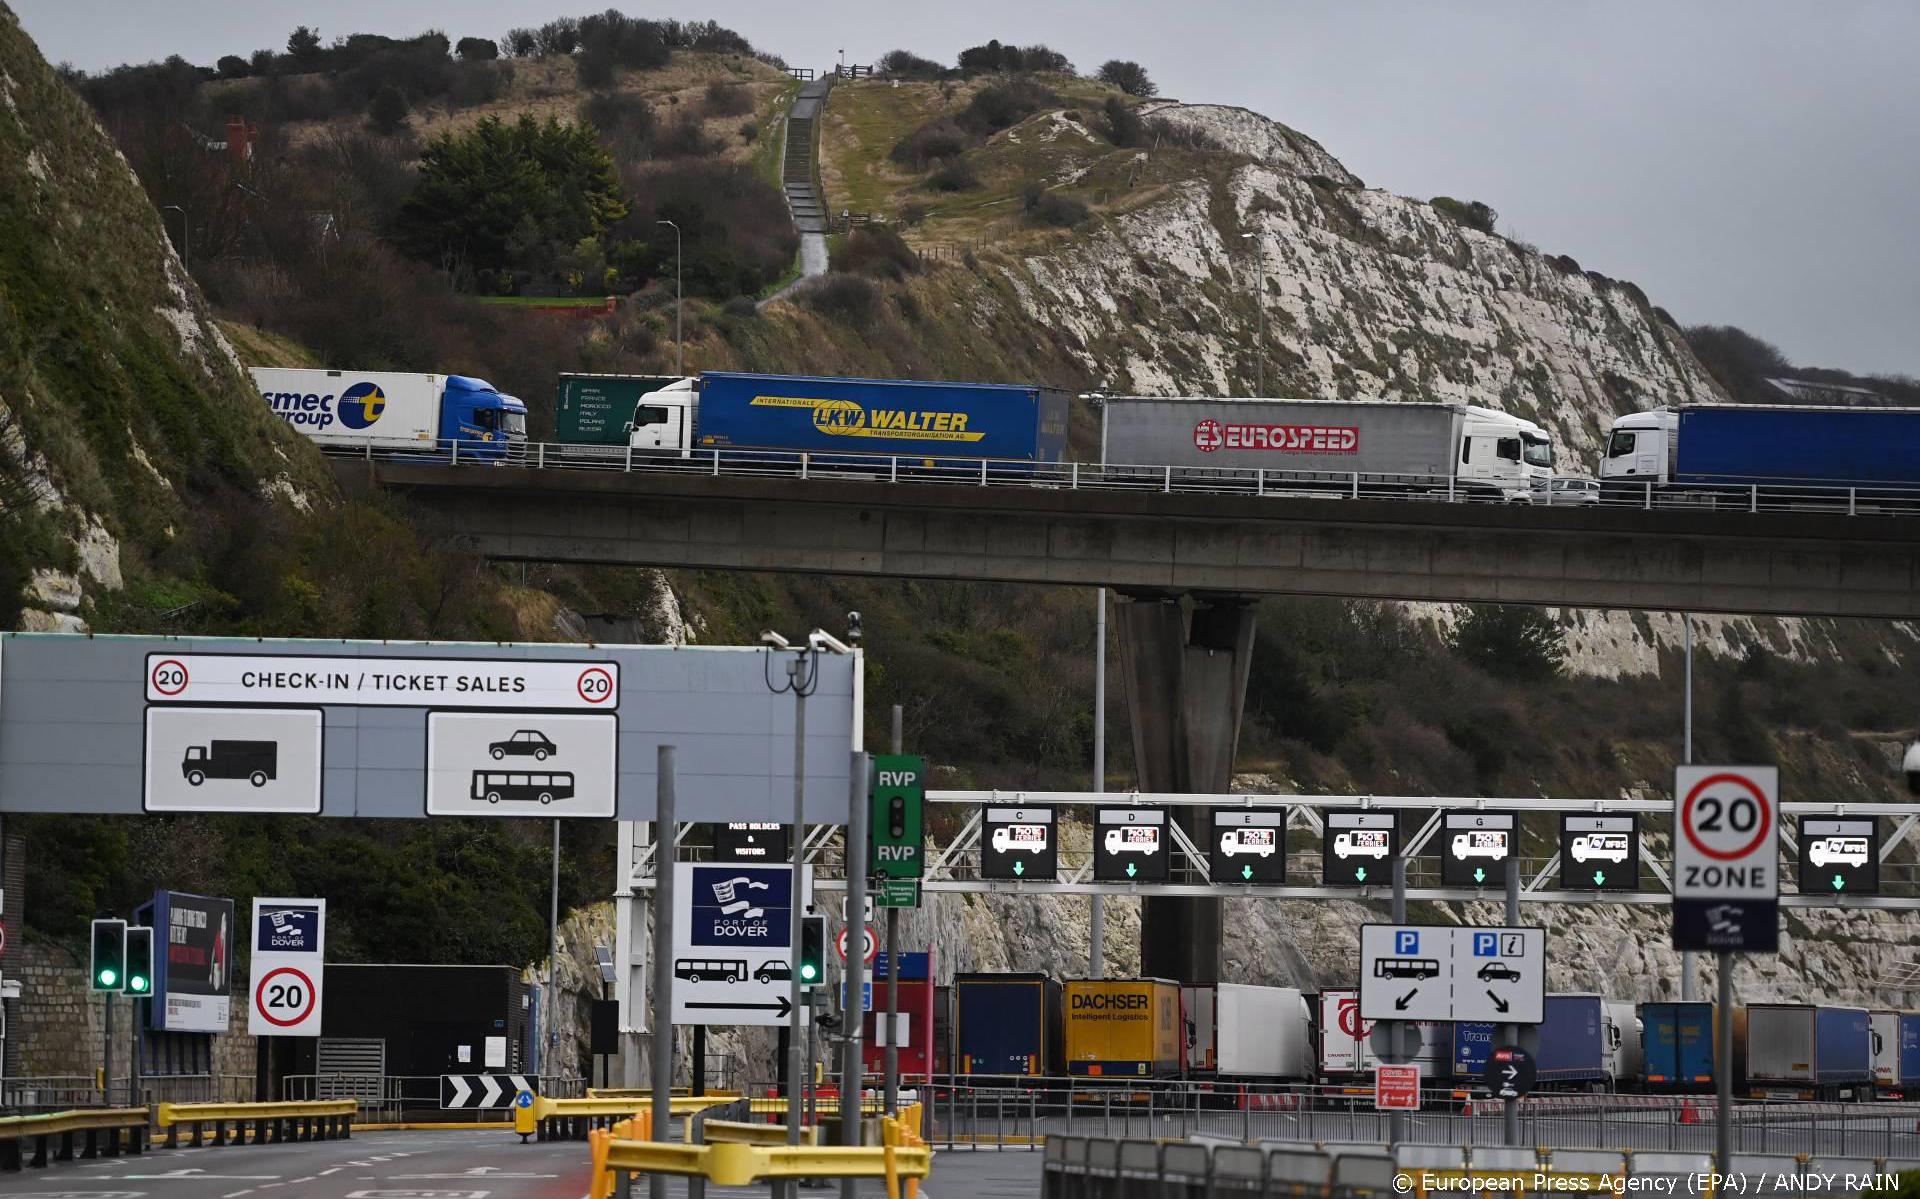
<point>1510,641</point>
<point>387,112</point>
<point>304,44</point>
<point>477,49</point>
<point>1130,77</point>
<point>502,197</point>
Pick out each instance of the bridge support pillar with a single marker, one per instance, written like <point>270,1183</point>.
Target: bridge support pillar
<point>1184,661</point>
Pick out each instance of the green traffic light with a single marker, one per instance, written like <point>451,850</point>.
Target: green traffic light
<point>137,984</point>
<point>807,972</point>
<point>108,978</point>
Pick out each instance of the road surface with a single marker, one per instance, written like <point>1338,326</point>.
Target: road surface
<point>428,1165</point>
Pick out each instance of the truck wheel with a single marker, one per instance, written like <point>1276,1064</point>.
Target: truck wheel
<point>498,753</point>
<point>258,778</point>
<point>195,777</point>
<point>493,797</point>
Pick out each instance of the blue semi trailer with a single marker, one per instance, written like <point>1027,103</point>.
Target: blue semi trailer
<point>1676,1044</point>
<point>1008,1024</point>
<point>1741,454</point>
<point>1579,1045</point>
<point>1804,1051</point>
<point>922,424</point>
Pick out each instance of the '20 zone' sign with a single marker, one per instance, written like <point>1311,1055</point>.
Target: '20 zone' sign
<point>1726,832</point>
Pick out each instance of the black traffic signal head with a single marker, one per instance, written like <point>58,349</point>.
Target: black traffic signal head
<point>139,961</point>
<point>813,951</point>
<point>109,958</point>
<point>897,817</point>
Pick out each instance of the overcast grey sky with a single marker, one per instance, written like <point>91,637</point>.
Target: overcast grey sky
<point>1749,162</point>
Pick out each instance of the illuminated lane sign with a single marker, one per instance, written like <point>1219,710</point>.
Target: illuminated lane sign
<point>1248,845</point>
<point>1130,845</point>
<point>1358,847</point>
<point>1599,853</point>
<point>1019,844</point>
<point>1475,846</point>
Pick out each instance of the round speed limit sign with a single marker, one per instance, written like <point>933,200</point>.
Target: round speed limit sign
<point>1726,832</point>
<point>285,998</point>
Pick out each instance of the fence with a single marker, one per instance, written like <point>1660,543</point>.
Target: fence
<point>961,1115</point>
<point>65,1092</point>
<point>1835,498</point>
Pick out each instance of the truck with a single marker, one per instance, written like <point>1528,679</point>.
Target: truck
<point>1197,1026</point>
<point>1007,1024</point>
<point>1261,1032</point>
<point>1123,1028</point>
<point>255,761</point>
<point>446,417</point>
<point>1366,447</point>
<point>1896,1054</point>
<point>1676,1044</point>
<point>1580,1044</point>
<point>1804,1050</point>
<point>597,410</point>
<point>1738,455</point>
<point>916,1057</point>
<point>872,424</point>
<point>1349,1047</point>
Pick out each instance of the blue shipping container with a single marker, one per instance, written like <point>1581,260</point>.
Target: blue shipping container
<point>1570,1044</point>
<point>881,416</point>
<point>1909,1049</point>
<point>1006,1024</point>
<point>1757,445</point>
<point>1676,1045</point>
<point>1843,1045</point>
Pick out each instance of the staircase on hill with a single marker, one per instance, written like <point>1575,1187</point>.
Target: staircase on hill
<point>797,171</point>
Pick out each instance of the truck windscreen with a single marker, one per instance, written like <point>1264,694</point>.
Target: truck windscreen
<point>1538,451</point>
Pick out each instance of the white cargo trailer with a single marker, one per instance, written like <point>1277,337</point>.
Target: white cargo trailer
<point>1374,447</point>
<point>1261,1032</point>
<point>1196,1018</point>
<point>395,411</point>
<point>1350,1045</point>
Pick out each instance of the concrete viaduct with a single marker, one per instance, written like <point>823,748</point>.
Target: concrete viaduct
<point>1186,566</point>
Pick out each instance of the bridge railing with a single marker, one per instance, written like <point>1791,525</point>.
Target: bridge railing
<point>1709,494</point>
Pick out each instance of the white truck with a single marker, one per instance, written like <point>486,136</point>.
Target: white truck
<point>448,417</point>
<point>1341,447</point>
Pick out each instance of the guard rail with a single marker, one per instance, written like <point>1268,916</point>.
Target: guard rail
<point>52,1135</point>
<point>313,1120</point>
<point>572,1119</point>
<point>1833,497</point>
<point>727,1164</point>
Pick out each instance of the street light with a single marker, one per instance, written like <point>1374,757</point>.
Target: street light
<point>679,346</point>
<point>186,247</point>
<point>1260,303</point>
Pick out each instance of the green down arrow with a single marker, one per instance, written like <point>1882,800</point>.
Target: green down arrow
<point>1130,870</point>
<point>1246,872</point>
<point>1019,868</point>
<point>1360,872</point>
<point>1599,878</point>
<point>1838,882</point>
<point>1479,875</point>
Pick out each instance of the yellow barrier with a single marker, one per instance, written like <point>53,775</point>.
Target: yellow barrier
<point>321,1119</point>
<point>43,1129</point>
<point>741,1165</point>
<point>530,1120</point>
<point>735,1132</point>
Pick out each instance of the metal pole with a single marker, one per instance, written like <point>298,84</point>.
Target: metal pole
<point>1723,1071</point>
<point>1097,930</point>
<point>106,1053</point>
<point>1510,1115</point>
<point>796,1042</point>
<point>679,343</point>
<point>663,880</point>
<point>553,953</point>
<point>893,960</point>
<point>1689,965</point>
<point>699,1063</point>
<point>1260,302</point>
<point>856,855</point>
<point>1396,1031</point>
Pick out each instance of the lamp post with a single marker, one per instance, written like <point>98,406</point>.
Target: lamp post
<point>1260,303</point>
<point>186,247</point>
<point>679,345</point>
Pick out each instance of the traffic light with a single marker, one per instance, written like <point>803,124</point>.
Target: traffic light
<point>109,955</point>
<point>813,951</point>
<point>139,962</point>
<point>897,817</point>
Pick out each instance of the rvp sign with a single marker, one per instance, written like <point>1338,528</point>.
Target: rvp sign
<point>1726,832</point>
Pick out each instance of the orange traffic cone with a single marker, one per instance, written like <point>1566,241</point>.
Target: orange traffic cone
<point>1689,1114</point>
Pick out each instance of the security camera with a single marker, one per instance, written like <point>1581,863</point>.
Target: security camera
<point>853,628</point>
<point>774,640</point>
<point>1912,766</point>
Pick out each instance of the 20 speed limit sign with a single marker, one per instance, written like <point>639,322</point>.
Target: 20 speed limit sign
<point>1726,832</point>
<point>286,998</point>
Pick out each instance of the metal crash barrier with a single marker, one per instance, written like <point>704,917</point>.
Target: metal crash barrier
<point>735,1153</point>
<point>98,1132</point>
<point>546,1119</point>
<point>268,1123</point>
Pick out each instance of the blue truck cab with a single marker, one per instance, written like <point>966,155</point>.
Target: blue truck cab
<point>484,422</point>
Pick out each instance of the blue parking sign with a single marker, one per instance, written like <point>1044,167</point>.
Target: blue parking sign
<point>1406,940</point>
<point>1486,945</point>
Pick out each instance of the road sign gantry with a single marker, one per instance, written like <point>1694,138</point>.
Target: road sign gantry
<point>953,866</point>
